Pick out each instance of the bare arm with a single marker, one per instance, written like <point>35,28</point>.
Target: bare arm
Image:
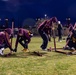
<point>8,41</point>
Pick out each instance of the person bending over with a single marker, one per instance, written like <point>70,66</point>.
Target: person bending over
<point>24,38</point>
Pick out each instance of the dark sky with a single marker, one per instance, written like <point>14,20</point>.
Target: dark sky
<point>23,9</point>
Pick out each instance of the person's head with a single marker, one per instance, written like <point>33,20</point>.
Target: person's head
<point>8,30</point>
<point>52,20</point>
<point>20,32</point>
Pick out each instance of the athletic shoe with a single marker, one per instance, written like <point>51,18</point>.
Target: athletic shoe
<point>24,50</point>
<point>60,41</point>
<point>72,48</point>
<point>44,49</point>
<point>1,51</point>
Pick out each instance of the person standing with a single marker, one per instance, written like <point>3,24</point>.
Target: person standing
<point>42,28</point>
<point>59,31</point>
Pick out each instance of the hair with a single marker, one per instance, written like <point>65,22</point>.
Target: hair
<point>53,19</point>
<point>20,31</point>
<point>8,30</point>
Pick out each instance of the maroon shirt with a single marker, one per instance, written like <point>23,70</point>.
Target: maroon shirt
<point>9,31</point>
<point>42,25</point>
<point>47,25</point>
<point>25,34</point>
<point>5,38</point>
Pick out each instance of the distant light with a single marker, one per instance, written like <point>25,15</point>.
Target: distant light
<point>68,19</point>
<point>45,15</point>
<point>38,19</point>
<point>6,19</point>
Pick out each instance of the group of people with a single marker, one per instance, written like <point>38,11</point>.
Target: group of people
<point>24,36</point>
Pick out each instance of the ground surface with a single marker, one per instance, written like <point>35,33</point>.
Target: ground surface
<point>25,63</point>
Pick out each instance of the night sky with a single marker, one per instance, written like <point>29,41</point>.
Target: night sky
<point>23,9</point>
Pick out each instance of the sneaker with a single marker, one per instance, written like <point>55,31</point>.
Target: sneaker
<point>44,49</point>
<point>72,48</point>
<point>60,41</point>
<point>1,51</point>
<point>24,50</point>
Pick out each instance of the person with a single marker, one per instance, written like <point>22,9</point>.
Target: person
<point>70,27</point>
<point>59,31</point>
<point>5,37</point>
<point>71,40</point>
<point>23,35</point>
<point>41,30</point>
<point>48,31</point>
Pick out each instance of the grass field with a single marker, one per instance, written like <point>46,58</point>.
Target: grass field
<point>25,63</point>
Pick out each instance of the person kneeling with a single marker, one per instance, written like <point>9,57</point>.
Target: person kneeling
<point>71,40</point>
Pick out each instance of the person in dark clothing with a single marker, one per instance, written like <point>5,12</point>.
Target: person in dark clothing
<point>71,41</point>
<point>42,29</point>
<point>59,31</point>
<point>48,31</point>
<point>24,38</point>
<point>70,29</point>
